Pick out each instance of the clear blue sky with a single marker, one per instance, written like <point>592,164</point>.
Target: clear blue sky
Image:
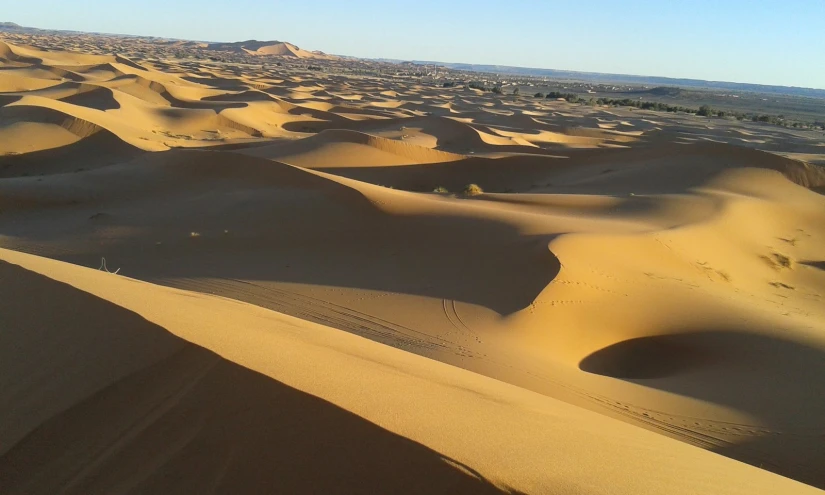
<point>758,41</point>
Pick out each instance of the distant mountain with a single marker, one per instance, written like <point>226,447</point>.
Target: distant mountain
<point>251,47</point>
<point>597,77</point>
<point>14,27</point>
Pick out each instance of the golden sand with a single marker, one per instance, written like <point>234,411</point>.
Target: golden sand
<point>630,302</point>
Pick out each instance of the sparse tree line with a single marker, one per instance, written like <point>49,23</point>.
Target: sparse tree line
<point>555,95</point>
<point>481,87</point>
<point>703,111</point>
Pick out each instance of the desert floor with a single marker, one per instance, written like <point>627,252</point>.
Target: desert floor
<point>635,303</point>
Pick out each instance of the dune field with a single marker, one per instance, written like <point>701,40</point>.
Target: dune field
<point>268,278</point>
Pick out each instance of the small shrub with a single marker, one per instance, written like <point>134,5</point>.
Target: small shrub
<point>782,260</point>
<point>473,190</point>
<point>778,261</point>
<point>441,190</point>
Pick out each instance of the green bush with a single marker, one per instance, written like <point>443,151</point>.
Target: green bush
<point>473,190</point>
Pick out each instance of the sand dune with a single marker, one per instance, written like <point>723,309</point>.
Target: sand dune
<point>298,309</point>
<point>226,407</point>
<point>276,48</point>
<point>342,148</point>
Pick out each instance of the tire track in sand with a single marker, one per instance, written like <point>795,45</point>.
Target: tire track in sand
<point>324,312</point>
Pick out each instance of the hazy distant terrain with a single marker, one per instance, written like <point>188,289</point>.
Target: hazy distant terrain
<point>632,79</point>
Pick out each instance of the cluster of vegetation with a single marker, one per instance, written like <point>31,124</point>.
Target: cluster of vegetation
<point>572,98</point>
<point>644,105</point>
<point>469,190</point>
<point>704,110</point>
<point>489,89</point>
<point>472,190</point>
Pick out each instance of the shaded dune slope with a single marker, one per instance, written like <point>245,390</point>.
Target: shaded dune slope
<point>98,150</point>
<point>686,362</point>
<point>180,416</point>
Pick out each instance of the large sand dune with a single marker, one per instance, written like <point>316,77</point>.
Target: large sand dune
<point>134,387</point>
<point>618,271</point>
<point>277,48</point>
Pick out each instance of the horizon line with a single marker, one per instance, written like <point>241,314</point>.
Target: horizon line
<point>414,61</point>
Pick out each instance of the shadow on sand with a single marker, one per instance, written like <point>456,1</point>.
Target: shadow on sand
<point>766,377</point>
<point>184,420</point>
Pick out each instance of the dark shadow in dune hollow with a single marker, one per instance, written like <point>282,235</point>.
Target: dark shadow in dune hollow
<point>99,99</point>
<point>766,377</point>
